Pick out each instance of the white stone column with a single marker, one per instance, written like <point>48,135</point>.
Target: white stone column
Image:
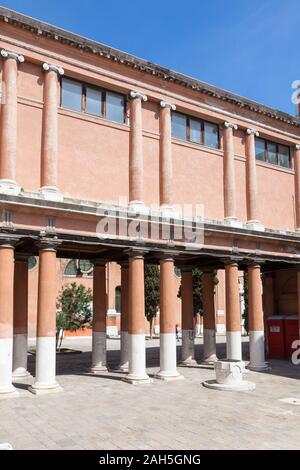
<point>187,317</point>
<point>209,318</point>
<point>124,359</point>
<point>233,312</point>
<point>8,126</point>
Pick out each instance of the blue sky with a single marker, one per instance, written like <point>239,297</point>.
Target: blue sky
<point>247,47</point>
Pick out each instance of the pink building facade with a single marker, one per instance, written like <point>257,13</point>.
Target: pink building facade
<point>109,158</point>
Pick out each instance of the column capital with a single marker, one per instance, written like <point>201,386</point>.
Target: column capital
<point>250,131</point>
<point>166,256</point>
<point>12,55</point>
<point>137,94</point>
<point>232,261</point>
<point>99,262</point>
<point>48,244</point>
<point>135,253</point>
<point>297,146</point>
<point>230,125</point>
<point>166,104</point>
<point>54,68</point>
<point>185,268</point>
<point>254,263</point>
<point>8,241</point>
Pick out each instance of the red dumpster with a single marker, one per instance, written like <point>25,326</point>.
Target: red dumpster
<point>276,338</point>
<point>291,333</point>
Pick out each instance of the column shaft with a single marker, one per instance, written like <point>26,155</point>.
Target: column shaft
<point>45,379</point>
<point>20,317</point>
<point>298,289</point>
<point>136,321</point>
<point>6,319</point>
<point>99,318</point>
<point>187,318</point>
<point>209,317</point>
<point>251,179</point>
<point>256,319</point>
<point>136,171</point>
<point>229,174</point>
<point>124,318</point>
<point>233,314</point>
<point>165,158</point>
<point>168,370</point>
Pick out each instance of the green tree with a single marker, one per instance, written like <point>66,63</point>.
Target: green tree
<point>246,310</point>
<point>198,290</point>
<point>74,309</point>
<point>151,273</point>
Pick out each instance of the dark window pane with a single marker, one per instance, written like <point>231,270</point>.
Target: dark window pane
<point>272,155</point>
<point>32,262</point>
<point>114,107</point>
<point>178,126</point>
<point>71,94</point>
<point>211,137</point>
<point>71,268</point>
<point>118,299</point>
<point>93,101</point>
<point>195,131</point>
<point>260,149</point>
<point>284,156</point>
<point>86,266</point>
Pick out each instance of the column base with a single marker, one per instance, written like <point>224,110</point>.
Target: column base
<point>121,368</point>
<point>168,212</point>
<point>168,376</point>
<point>96,369</point>
<point>137,380</point>
<point>233,222</point>
<point>210,360</point>
<point>50,193</point>
<point>8,392</point>
<point>9,187</point>
<point>40,389</point>
<point>255,225</point>
<point>21,373</point>
<point>188,363</point>
<point>259,368</point>
<point>138,207</point>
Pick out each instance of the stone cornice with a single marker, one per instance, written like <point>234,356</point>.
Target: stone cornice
<point>57,34</point>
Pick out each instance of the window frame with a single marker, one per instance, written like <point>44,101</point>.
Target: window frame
<point>202,131</point>
<point>266,154</point>
<point>84,86</point>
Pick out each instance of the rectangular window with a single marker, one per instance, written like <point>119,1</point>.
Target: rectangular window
<point>93,100</point>
<point>195,130</point>
<point>273,153</point>
<point>71,94</point>
<point>179,126</point>
<point>114,107</point>
<point>211,135</point>
<point>93,103</point>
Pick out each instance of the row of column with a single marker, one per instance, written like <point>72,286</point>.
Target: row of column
<point>49,156</point>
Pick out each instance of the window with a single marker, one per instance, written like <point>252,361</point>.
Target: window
<point>195,130</point>
<point>93,100</point>
<point>177,271</point>
<point>273,153</point>
<point>71,268</point>
<point>71,94</point>
<point>32,263</point>
<point>118,299</point>
<point>76,267</point>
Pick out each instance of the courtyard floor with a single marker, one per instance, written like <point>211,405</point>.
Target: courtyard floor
<point>103,412</point>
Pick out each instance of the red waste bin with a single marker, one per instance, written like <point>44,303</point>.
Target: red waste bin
<point>276,338</point>
<point>291,333</point>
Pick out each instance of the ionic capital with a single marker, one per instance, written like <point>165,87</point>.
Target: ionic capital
<point>230,125</point>
<point>53,68</point>
<point>12,55</point>
<point>8,241</point>
<point>165,104</point>
<point>137,94</point>
<point>297,146</point>
<point>48,244</point>
<point>252,131</point>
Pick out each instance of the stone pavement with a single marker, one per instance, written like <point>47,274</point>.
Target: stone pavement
<point>103,412</point>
